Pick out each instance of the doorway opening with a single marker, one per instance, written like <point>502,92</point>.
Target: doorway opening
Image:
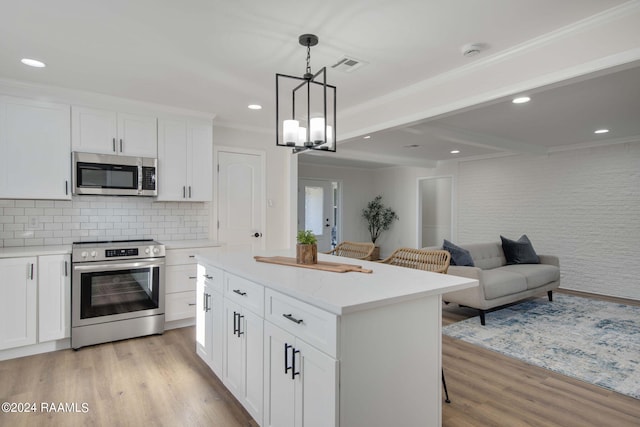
<point>319,210</point>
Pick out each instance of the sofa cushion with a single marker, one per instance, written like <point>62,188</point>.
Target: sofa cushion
<point>459,256</point>
<point>499,282</point>
<point>486,255</point>
<point>536,275</point>
<point>519,251</point>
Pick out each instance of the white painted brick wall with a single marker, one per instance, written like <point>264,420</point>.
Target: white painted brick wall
<point>582,205</point>
<point>88,218</point>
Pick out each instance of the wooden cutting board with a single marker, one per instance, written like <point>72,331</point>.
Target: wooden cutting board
<point>321,265</point>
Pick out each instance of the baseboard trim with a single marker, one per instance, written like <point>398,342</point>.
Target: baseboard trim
<point>627,301</point>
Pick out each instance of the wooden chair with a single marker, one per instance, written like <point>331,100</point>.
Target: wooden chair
<point>353,250</point>
<point>422,259</point>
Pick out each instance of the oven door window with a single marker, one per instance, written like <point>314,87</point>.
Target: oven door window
<point>122,291</point>
<point>95,175</point>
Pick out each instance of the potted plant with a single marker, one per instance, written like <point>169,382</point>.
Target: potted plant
<point>307,248</point>
<point>379,218</point>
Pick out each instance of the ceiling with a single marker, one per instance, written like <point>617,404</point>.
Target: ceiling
<point>218,56</point>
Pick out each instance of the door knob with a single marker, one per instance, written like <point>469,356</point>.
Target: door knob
<point>256,234</point>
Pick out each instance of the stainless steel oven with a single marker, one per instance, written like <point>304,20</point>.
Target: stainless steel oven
<point>117,291</point>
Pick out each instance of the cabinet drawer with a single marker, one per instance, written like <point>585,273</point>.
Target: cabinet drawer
<point>181,278</point>
<point>188,256</point>
<point>244,292</point>
<point>180,305</point>
<point>311,324</point>
<point>213,277</point>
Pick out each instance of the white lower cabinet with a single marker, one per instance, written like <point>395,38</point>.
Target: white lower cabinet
<point>181,281</point>
<point>300,382</point>
<point>210,317</point>
<point>243,361</point>
<point>54,297</point>
<point>18,301</point>
<point>291,363</point>
<point>35,300</point>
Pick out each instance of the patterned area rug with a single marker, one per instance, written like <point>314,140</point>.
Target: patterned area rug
<point>591,340</point>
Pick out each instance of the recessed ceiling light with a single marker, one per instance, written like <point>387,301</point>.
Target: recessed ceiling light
<point>454,151</point>
<point>521,100</point>
<point>602,131</point>
<point>254,107</point>
<point>33,62</point>
<point>366,137</point>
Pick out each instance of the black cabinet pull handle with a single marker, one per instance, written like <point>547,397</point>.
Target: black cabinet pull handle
<point>286,358</point>
<point>114,145</point>
<point>293,319</point>
<point>239,292</point>
<point>121,145</point>
<point>235,323</point>
<point>293,364</point>
<point>240,317</point>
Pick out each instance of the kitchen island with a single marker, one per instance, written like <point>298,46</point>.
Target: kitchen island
<point>303,347</point>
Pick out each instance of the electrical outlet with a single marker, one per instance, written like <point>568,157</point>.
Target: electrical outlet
<point>32,223</point>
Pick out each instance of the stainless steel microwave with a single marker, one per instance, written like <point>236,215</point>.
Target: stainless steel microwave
<point>110,175</point>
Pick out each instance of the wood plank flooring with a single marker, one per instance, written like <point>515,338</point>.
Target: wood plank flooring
<point>160,381</point>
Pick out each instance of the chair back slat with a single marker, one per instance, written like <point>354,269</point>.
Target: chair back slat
<point>420,259</point>
<point>358,250</point>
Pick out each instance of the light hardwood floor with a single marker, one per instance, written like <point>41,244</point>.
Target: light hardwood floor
<point>159,381</point>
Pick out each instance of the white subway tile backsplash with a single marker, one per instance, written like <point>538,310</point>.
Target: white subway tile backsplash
<point>49,222</point>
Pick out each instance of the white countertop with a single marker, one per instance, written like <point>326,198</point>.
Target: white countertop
<point>340,293</point>
<point>183,244</point>
<point>25,251</point>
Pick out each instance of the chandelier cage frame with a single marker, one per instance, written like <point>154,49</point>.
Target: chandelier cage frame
<point>310,97</point>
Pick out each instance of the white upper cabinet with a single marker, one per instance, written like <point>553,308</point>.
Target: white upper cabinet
<point>35,161</point>
<point>185,160</point>
<point>109,132</point>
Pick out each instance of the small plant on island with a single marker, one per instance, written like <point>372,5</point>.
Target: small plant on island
<point>307,248</point>
<point>306,237</point>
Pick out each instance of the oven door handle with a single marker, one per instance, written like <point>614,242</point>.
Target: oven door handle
<point>109,265</point>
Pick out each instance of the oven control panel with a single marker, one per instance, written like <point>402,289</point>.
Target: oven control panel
<point>111,253</point>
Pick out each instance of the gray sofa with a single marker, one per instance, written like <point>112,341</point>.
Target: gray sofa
<point>502,284</point>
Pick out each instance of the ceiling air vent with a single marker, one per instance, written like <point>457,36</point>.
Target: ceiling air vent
<point>347,64</point>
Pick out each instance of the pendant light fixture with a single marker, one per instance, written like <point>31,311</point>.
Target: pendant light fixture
<point>306,108</point>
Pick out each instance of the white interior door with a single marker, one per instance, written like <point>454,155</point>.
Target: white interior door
<point>316,210</point>
<point>240,198</point>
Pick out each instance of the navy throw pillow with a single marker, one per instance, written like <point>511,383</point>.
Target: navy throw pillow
<point>459,256</point>
<point>519,251</point>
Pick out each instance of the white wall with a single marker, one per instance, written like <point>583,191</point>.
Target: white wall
<point>357,190</point>
<point>582,205</point>
<point>279,178</point>
<point>399,189</point>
